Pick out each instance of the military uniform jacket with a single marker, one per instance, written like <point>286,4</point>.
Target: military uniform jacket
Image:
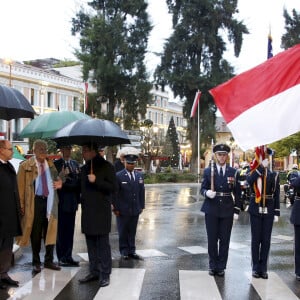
<point>272,201</point>
<point>223,205</point>
<point>295,214</point>
<point>10,212</point>
<point>96,197</point>
<point>130,197</point>
<point>69,194</point>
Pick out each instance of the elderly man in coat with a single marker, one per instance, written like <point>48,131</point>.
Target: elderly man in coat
<point>37,181</point>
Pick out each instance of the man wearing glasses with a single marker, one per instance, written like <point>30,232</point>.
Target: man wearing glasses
<point>219,188</point>
<point>38,181</point>
<point>10,213</point>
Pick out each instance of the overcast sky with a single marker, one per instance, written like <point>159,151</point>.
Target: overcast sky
<point>39,29</point>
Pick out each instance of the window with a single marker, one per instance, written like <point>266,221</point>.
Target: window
<point>63,103</point>
<point>50,99</point>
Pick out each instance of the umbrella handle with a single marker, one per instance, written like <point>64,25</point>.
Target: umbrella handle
<point>92,171</point>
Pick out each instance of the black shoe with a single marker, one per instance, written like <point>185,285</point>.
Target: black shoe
<point>36,269</point>
<point>2,285</point>
<point>104,282</point>
<point>255,274</point>
<point>264,275</point>
<point>221,273</point>
<point>73,263</point>
<point>125,257</point>
<point>134,256</point>
<point>10,281</point>
<point>89,278</point>
<point>52,266</point>
<point>211,272</point>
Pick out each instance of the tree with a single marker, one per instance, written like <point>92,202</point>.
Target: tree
<point>289,39</point>
<point>172,144</point>
<point>113,42</point>
<point>292,27</point>
<point>192,57</point>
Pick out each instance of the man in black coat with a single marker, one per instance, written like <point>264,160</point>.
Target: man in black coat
<point>218,187</point>
<point>10,212</point>
<point>98,182</point>
<point>69,196</point>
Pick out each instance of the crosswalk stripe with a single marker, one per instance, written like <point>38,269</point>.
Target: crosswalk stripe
<point>45,285</point>
<point>124,284</point>
<point>273,288</point>
<point>198,285</point>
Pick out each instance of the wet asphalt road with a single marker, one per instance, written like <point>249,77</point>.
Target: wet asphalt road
<point>173,219</point>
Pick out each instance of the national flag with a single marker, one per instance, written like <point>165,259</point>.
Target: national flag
<point>195,104</point>
<point>270,47</point>
<point>259,157</point>
<point>260,105</point>
<point>86,85</point>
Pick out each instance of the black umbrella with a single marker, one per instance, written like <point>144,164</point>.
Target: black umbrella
<point>102,132</point>
<point>14,105</point>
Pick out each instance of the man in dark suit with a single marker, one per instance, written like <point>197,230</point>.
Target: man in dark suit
<point>10,212</point>
<point>128,205</point>
<point>98,182</point>
<point>69,197</point>
<point>218,187</point>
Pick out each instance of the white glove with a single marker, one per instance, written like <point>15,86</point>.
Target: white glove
<point>235,216</point>
<point>265,163</point>
<point>210,194</point>
<point>276,219</point>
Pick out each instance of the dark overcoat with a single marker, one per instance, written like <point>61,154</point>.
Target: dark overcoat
<point>10,212</point>
<point>96,197</point>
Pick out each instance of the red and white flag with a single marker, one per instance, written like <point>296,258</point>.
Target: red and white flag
<point>262,105</point>
<point>195,104</point>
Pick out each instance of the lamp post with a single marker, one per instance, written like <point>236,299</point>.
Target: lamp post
<point>9,62</point>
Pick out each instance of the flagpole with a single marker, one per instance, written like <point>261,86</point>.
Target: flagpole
<point>198,130</point>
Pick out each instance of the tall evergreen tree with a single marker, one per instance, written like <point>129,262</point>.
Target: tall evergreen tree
<point>172,144</point>
<point>113,43</point>
<point>292,27</point>
<point>192,57</point>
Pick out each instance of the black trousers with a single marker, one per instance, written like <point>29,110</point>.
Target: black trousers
<point>261,230</point>
<point>99,254</point>
<point>127,231</point>
<point>6,246</point>
<point>65,234</point>
<point>218,239</point>
<point>39,231</point>
<point>297,249</point>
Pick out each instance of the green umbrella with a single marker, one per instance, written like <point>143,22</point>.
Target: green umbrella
<point>47,124</point>
<point>17,154</point>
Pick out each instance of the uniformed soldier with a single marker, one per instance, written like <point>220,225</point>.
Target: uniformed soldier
<point>263,210</point>
<point>242,189</point>
<point>219,187</point>
<point>128,204</point>
<point>295,220</point>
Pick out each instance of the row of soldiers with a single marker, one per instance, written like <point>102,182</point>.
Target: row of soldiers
<point>224,188</point>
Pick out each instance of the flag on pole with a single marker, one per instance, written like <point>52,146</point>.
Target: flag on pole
<point>259,104</point>
<point>270,47</point>
<point>195,104</point>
